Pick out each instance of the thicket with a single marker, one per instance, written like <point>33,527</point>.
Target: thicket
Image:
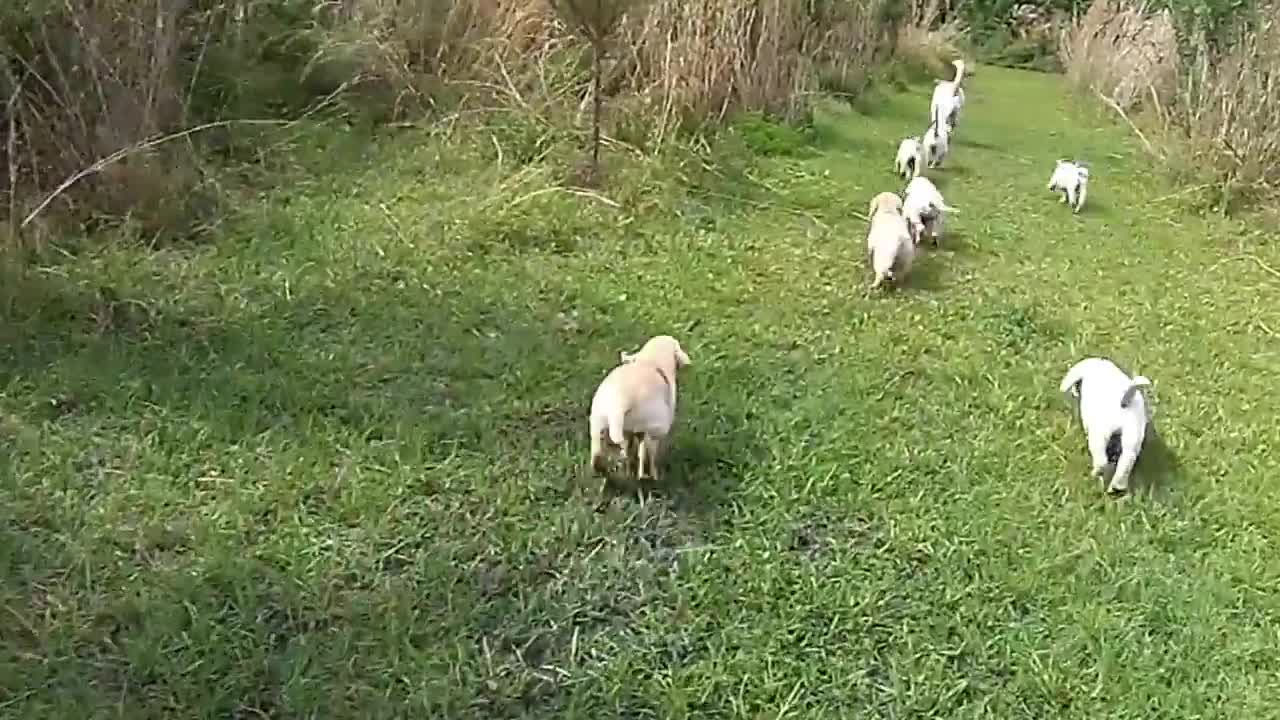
<point>1196,80</point>
<point>136,101</point>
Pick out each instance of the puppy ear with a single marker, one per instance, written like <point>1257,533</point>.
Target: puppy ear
<point>682,359</point>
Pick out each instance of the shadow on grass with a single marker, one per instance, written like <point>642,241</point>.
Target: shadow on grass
<point>955,242</point>
<point>420,437</point>
<point>976,144</point>
<point>928,272</point>
<point>706,463</point>
<point>1158,470</point>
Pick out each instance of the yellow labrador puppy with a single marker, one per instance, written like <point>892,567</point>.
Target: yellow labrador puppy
<point>889,240</point>
<point>636,402</point>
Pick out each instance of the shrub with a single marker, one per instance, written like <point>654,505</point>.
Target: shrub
<point>1197,75</point>
<point>87,81</point>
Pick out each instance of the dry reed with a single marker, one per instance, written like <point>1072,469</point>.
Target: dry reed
<point>1213,108</point>
<point>86,81</point>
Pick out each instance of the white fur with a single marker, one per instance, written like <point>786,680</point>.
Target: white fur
<point>910,159</point>
<point>636,403</point>
<point>1110,402</point>
<point>948,98</point>
<point>936,144</point>
<point>1072,180</point>
<point>924,208</point>
<point>889,241</point>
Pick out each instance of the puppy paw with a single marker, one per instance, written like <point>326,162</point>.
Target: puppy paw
<point>600,464</point>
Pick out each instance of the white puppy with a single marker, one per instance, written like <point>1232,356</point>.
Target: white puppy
<point>924,207</point>
<point>889,240</point>
<point>948,98</point>
<point>910,159</point>
<point>1114,414</point>
<point>1072,180</point>
<point>936,144</point>
<point>636,402</point>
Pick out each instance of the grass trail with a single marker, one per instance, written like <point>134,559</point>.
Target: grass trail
<point>330,465</point>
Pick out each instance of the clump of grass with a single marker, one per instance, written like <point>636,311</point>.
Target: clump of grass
<point>1207,101</point>
<point>925,44</point>
<point>1124,51</point>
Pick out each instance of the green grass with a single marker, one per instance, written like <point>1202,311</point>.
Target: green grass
<point>330,465</point>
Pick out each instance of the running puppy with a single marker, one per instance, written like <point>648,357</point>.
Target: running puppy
<point>635,405</point>
<point>924,207</point>
<point>889,241</point>
<point>1114,414</point>
<point>936,144</point>
<point>1072,180</point>
<point>948,98</point>
<point>910,159</point>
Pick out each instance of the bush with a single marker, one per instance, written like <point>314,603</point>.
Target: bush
<point>85,81</point>
<point>1200,76</point>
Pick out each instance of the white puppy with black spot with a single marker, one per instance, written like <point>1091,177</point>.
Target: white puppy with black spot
<point>924,207</point>
<point>937,142</point>
<point>1072,180</point>
<point>1114,413</point>
<point>910,159</point>
<point>635,406</point>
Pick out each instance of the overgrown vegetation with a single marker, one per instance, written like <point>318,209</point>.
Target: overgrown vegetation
<point>1196,81</point>
<point>86,81</point>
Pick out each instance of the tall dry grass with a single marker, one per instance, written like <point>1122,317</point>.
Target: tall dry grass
<point>85,81</point>
<point>1125,51</point>
<point>1227,105</point>
<point>930,36</point>
<point>1212,110</point>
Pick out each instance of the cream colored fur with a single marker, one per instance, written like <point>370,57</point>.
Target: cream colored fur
<point>889,241</point>
<point>635,405</point>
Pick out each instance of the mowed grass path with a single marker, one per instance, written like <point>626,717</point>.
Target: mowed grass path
<point>331,464</point>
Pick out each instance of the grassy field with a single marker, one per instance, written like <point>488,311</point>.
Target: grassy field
<point>331,464</point>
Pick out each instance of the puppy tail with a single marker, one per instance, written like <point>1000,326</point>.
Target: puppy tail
<point>1071,382</point>
<point>1136,384</point>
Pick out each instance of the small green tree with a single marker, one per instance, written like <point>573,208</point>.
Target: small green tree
<point>596,21</point>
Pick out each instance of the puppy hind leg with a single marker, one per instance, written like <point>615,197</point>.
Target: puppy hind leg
<point>644,458</point>
<point>1120,480</point>
<point>1080,199</point>
<point>599,460</point>
<point>653,450</point>
<point>632,454</point>
<point>1098,454</point>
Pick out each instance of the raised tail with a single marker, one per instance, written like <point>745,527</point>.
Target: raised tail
<point>1136,384</point>
<point>959,71</point>
<point>1071,382</point>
